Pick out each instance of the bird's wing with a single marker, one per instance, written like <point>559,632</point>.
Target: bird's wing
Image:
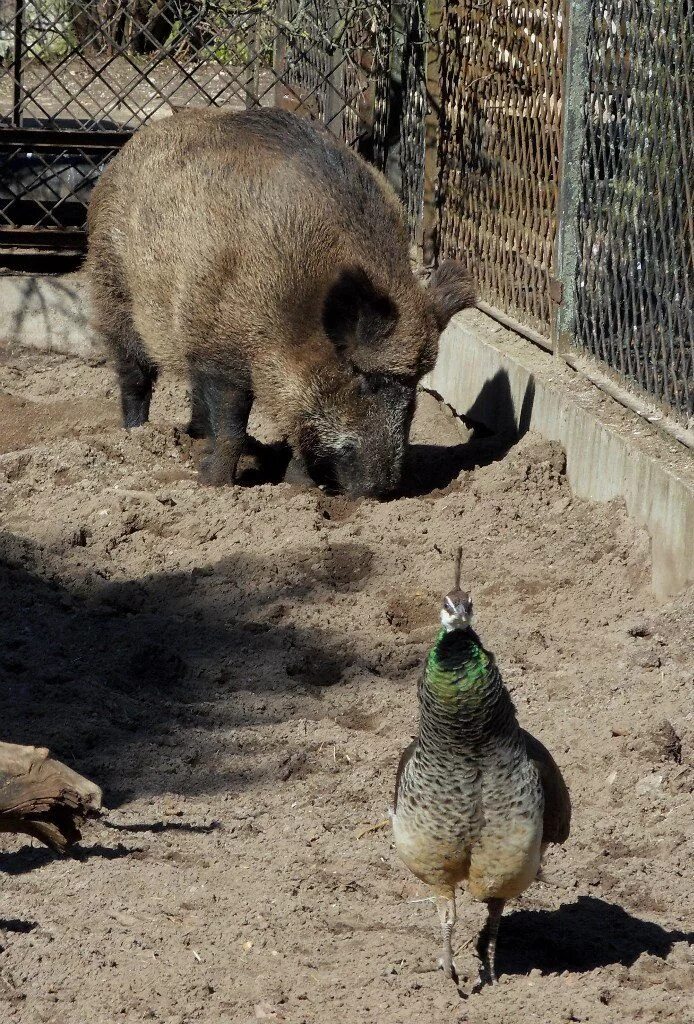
<point>405,757</point>
<point>557,818</point>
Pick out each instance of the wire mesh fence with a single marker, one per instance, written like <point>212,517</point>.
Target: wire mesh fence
<point>335,68</point>
<point>77,77</point>
<point>635,274</point>
<point>495,89</point>
<point>499,130</point>
<point>412,68</point>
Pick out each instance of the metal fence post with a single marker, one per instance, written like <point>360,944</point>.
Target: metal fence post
<point>429,234</point>
<point>252,76</point>
<point>334,84</point>
<point>382,94</point>
<point>577,14</point>
<point>17,63</point>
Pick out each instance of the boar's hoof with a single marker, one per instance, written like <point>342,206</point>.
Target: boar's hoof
<point>297,474</point>
<point>215,472</point>
<point>197,428</point>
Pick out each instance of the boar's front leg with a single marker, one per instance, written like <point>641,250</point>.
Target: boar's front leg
<point>297,472</point>
<point>227,408</point>
<point>137,377</point>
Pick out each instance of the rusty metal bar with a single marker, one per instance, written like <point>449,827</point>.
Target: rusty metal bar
<point>335,82</point>
<point>252,71</point>
<point>45,261</point>
<point>514,325</point>
<point>43,238</point>
<point>428,238</point>
<point>577,14</point>
<point>61,138</point>
<point>281,92</point>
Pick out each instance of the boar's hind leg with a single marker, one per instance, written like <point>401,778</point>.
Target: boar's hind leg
<point>199,424</point>
<point>137,377</point>
<point>226,410</point>
<point>111,317</point>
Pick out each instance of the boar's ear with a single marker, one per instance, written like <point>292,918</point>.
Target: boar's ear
<point>452,288</point>
<point>358,317</point>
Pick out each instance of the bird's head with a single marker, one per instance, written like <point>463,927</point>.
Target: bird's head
<point>456,611</point>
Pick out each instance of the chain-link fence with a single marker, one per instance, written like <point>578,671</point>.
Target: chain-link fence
<point>411,70</point>
<point>635,272</point>
<point>525,169</point>
<point>78,76</point>
<point>499,128</point>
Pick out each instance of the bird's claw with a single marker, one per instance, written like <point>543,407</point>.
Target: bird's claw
<point>451,973</point>
<point>485,977</point>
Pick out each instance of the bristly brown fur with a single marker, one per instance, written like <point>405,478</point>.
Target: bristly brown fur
<point>260,256</point>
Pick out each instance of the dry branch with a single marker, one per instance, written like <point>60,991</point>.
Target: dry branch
<point>43,798</point>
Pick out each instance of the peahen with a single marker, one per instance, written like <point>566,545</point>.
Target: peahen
<point>477,799</point>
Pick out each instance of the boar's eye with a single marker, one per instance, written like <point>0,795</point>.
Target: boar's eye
<point>347,446</point>
<point>365,385</point>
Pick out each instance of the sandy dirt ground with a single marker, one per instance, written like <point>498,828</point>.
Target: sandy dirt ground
<point>237,668</point>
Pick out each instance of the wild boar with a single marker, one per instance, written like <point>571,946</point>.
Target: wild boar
<point>260,256</point>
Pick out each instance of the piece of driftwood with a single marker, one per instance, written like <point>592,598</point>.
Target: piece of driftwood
<point>42,797</point>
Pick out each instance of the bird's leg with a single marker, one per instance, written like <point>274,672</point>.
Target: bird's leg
<point>446,908</point>
<point>495,908</point>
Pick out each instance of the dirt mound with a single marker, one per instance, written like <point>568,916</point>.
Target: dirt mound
<point>237,668</point>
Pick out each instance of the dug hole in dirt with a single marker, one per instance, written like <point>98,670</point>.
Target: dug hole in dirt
<point>237,669</point>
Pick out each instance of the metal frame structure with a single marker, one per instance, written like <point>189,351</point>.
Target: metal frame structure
<point>78,76</point>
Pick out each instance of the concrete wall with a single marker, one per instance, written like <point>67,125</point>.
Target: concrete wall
<point>48,313</point>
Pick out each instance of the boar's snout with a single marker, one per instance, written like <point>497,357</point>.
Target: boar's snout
<point>357,444</point>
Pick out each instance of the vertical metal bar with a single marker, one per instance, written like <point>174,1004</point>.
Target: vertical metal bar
<point>380,86</point>
<point>335,80</point>
<point>252,73</point>
<point>17,71</point>
<point>427,237</point>
<point>279,60</point>
<point>257,46</point>
<point>577,14</point>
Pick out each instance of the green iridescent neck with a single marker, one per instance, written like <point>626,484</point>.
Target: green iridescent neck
<point>457,668</point>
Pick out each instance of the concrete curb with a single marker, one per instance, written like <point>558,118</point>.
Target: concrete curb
<point>492,376</point>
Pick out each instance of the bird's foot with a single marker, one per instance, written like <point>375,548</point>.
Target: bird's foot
<point>485,977</point>
<point>449,971</point>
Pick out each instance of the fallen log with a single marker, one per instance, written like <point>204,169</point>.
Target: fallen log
<point>43,798</point>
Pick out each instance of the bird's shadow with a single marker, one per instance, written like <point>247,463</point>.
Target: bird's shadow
<point>579,937</point>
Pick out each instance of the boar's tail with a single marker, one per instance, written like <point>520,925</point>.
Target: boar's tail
<point>452,287</point>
